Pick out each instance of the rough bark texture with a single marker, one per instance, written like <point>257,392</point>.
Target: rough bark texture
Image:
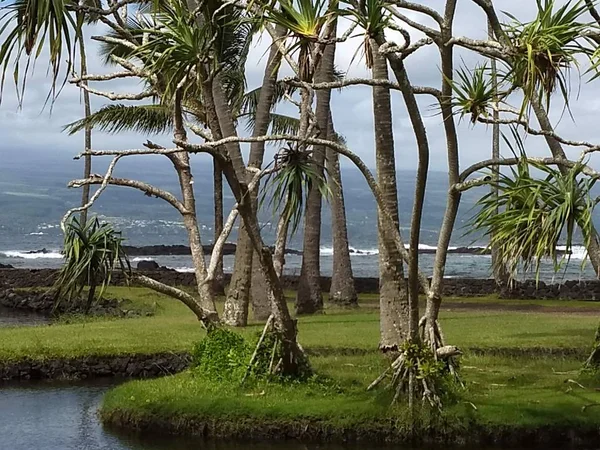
<point>218,286</point>
<point>181,162</point>
<point>420,184</point>
<point>393,294</point>
<point>87,159</point>
<point>558,152</point>
<point>240,289</point>
<point>309,298</point>
<point>343,291</point>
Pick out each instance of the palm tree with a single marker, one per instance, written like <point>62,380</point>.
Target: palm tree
<point>309,297</point>
<point>92,252</point>
<point>342,291</point>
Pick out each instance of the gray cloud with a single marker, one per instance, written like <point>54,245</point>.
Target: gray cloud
<point>39,130</point>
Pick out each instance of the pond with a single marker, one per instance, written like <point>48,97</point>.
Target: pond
<point>63,416</point>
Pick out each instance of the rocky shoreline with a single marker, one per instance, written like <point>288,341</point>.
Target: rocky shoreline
<point>42,302</point>
<point>95,366</point>
<point>453,287</point>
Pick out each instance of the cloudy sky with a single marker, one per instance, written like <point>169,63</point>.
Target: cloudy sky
<point>31,131</point>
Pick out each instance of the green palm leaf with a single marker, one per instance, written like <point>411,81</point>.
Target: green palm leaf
<point>146,119</point>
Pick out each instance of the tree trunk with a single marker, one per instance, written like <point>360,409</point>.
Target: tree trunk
<point>343,291</point>
<point>420,132</point>
<point>87,159</point>
<point>434,299</point>
<point>498,267</point>
<point>240,288</point>
<point>392,287</point>
<point>558,152</point>
<point>218,287</point>
<point>294,360</point>
<point>309,298</point>
<point>181,162</point>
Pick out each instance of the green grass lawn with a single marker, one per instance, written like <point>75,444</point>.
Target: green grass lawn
<point>502,388</point>
<point>174,328</point>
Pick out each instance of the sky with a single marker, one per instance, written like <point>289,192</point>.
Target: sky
<point>32,133</point>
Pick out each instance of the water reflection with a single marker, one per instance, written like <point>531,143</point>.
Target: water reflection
<point>63,416</point>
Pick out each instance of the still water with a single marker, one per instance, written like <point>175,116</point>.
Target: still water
<point>63,416</point>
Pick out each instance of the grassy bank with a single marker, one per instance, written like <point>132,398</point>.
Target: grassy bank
<point>521,360</point>
<point>468,323</point>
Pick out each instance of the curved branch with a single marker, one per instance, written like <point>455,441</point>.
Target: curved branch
<point>114,96</point>
<point>148,189</point>
<point>207,317</point>
<point>421,9</point>
<point>88,205</point>
<point>587,170</point>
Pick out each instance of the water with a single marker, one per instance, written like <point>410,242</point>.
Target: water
<point>34,199</point>
<point>10,317</point>
<point>61,416</point>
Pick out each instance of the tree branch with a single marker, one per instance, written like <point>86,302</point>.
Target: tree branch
<point>421,9</point>
<point>88,205</point>
<point>206,316</point>
<point>114,96</point>
<point>148,189</point>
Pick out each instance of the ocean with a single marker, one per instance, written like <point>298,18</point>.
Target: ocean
<point>34,196</point>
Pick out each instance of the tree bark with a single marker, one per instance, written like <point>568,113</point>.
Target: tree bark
<point>558,152</point>
<point>392,287</point>
<point>498,267</point>
<point>342,291</point>
<point>309,298</point>
<point>218,286</point>
<point>87,159</point>
<point>420,132</point>
<point>240,288</point>
<point>434,299</point>
<point>181,162</point>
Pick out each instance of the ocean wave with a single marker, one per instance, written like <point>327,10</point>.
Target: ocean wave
<point>142,258</point>
<point>39,233</point>
<point>578,252</point>
<point>27,255</point>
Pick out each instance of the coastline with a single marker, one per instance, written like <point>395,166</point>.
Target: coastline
<point>588,290</point>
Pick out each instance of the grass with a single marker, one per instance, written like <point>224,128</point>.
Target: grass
<point>504,387</point>
<point>174,328</point>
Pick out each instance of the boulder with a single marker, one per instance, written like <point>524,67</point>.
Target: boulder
<point>147,265</point>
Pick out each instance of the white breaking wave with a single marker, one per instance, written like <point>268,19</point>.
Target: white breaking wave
<point>183,269</point>
<point>578,252</point>
<point>142,258</point>
<point>25,255</point>
<point>40,233</point>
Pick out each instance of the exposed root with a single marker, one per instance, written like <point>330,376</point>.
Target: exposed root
<point>416,372</point>
<point>432,335</point>
<point>276,356</point>
<point>593,362</point>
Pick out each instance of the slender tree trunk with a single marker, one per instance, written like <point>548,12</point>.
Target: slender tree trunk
<point>392,287</point>
<point>240,289</point>
<point>420,132</point>
<point>498,267</point>
<point>218,286</point>
<point>87,159</point>
<point>294,359</point>
<point>434,299</point>
<point>343,291</point>
<point>558,152</point>
<point>181,162</point>
<point>309,298</point>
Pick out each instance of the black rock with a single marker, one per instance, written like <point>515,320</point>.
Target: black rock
<point>6,266</point>
<point>148,265</point>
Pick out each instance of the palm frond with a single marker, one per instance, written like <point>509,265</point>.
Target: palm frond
<point>474,92</point>
<point>530,215</point>
<point>92,252</point>
<point>290,185</point>
<point>546,49</point>
<point>146,119</point>
<point>29,26</point>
